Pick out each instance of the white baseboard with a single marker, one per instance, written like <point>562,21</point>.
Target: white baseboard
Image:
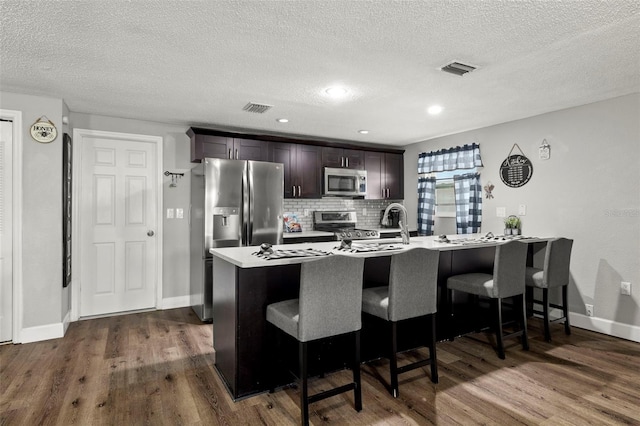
<point>612,328</point>
<point>65,322</point>
<point>43,332</point>
<point>175,302</point>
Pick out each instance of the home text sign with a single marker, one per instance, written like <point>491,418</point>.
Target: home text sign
<point>516,169</point>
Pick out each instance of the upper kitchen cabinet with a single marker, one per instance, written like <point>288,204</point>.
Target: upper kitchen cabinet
<point>302,168</point>
<point>343,158</point>
<point>385,175</point>
<point>204,144</point>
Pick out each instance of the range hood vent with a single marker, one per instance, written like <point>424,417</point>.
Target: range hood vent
<point>457,68</point>
<point>257,108</point>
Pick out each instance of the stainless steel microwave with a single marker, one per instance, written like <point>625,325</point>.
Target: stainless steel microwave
<point>345,182</point>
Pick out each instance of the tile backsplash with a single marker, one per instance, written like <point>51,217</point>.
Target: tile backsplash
<point>369,220</point>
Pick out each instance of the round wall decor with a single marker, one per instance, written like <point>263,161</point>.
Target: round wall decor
<point>516,169</point>
<point>43,130</point>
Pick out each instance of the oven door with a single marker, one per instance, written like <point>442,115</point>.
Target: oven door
<point>345,182</point>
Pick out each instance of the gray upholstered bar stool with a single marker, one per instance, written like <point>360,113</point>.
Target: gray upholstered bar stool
<point>330,304</point>
<point>506,281</point>
<point>555,273</point>
<point>411,293</point>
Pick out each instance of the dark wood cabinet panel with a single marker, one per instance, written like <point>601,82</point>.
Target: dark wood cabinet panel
<point>250,149</point>
<point>343,158</point>
<point>385,175</point>
<point>203,146</point>
<point>302,168</point>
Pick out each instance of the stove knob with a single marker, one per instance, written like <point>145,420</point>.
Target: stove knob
<point>348,234</point>
<point>374,234</point>
<point>358,234</point>
<point>342,235</point>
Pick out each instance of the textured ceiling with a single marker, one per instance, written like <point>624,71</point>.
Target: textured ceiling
<point>199,62</point>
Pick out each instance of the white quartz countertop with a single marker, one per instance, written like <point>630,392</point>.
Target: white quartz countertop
<point>244,257</point>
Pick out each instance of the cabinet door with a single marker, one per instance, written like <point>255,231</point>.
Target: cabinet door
<point>332,157</point>
<point>203,146</point>
<point>354,159</point>
<point>250,149</point>
<point>374,165</point>
<point>285,153</point>
<point>394,175</point>
<point>309,171</point>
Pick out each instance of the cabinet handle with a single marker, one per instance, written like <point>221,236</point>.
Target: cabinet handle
<point>236,154</point>
<point>382,192</point>
<point>341,161</point>
<point>229,156</point>
<point>299,191</point>
<point>388,193</point>
<point>294,190</point>
<point>347,160</point>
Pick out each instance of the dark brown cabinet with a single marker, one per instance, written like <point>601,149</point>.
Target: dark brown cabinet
<point>343,158</point>
<point>302,168</point>
<point>213,146</point>
<point>385,175</point>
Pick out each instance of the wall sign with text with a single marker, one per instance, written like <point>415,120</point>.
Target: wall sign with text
<point>516,169</point>
<point>43,130</point>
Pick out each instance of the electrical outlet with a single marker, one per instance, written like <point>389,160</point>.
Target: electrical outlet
<point>180,213</point>
<point>364,211</point>
<point>169,213</point>
<point>625,288</point>
<point>522,210</point>
<point>501,212</point>
<point>306,212</point>
<point>589,309</point>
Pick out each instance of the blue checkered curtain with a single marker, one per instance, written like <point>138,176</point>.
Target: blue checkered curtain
<point>426,205</point>
<point>468,203</point>
<point>465,157</point>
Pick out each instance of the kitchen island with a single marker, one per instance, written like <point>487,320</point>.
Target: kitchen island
<point>245,283</point>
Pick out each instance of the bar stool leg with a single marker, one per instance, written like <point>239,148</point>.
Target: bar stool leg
<point>357,391</point>
<point>565,310</point>
<point>304,400</point>
<point>393,359</point>
<point>497,308</point>
<point>545,314</point>
<point>432,350</point>
<point>525,336</point>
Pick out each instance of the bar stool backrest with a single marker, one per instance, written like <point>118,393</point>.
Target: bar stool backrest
<point>509,269</point>
<point>330,297</point>
<point>556,262</point>
<point>413,284</point>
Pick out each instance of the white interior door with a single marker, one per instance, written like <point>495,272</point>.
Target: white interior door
<point>118,220</point>
<point>6,231</point>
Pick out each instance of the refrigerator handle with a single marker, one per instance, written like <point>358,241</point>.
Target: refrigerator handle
<point>229,156</point>
<point>249,237</point>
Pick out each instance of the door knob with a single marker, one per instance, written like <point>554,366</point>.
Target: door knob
<point>150,233</point>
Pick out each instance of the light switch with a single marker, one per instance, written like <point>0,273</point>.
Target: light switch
<point>169,213</point>
<point>501,212</point>
<point>522,210</point>
<point>180,213</point>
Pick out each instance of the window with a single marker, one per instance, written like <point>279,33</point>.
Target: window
<point>445,193</point>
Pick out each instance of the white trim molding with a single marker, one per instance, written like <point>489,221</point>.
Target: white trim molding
<point>175,302</point>
<point>78,134</point>
<point>604,326</point>
<point>42,332</point>
<point>16,118</point>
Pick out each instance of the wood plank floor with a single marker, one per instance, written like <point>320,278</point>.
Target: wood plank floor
<point>157,368</point>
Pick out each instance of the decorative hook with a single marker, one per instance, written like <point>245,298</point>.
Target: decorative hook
<point>174,178</point>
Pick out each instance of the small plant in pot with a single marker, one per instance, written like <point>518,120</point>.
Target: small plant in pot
<point>512,225</point>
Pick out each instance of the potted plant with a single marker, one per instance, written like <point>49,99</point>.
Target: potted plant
<point>512,225</point>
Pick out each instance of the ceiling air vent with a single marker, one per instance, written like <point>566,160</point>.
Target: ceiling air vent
<point>257,108</point>
<point>457,68</point>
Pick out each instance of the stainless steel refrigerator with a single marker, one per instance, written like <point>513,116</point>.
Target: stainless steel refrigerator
<point>233,203</point>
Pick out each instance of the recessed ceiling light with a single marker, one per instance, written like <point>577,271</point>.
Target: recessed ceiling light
<point>363,132</point>
<point>282,120</point>
<point>336,92</point>
<point>434,110</point>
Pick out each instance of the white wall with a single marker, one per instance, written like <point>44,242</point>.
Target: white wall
<point>42,212</point>
<point>589,190</point>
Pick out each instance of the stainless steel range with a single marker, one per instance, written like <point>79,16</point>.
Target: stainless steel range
<point>343,225</point>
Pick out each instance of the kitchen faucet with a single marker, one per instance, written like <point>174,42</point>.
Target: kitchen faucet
<point>404,228</point>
